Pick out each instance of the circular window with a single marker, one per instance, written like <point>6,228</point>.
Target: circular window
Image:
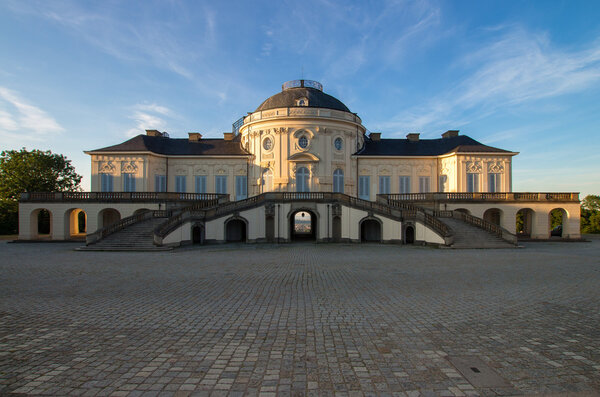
<point>303,142</point>
<point>338,143</point>
<point>267,144</point>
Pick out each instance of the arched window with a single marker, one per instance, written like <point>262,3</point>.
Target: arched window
<point>338,181</point>
<point>302,176</point>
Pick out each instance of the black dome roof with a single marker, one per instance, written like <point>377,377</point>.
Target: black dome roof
<point>316,99</point>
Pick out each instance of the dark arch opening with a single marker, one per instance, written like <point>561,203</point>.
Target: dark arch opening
<point>409,235</point>
<point>197,234</point>
<point>337,228</point>
<point>370,231</point>
<point>43,222</point>
<point>557,218</point>
<point>493,215</point>
<point>235,231</point>
<point>524,222</point>
<point>107,217</point>
<point>303,226</point>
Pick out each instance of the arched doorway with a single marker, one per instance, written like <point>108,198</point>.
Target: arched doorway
<point>523,222</point>
<point>107,217</point>
<point>303,226</point>
<point>302,180</point>
<point>493,215</point>
<point>409,235</point>
<point>557,222</point>
<point>197,234</point>
<point>75,223</point>
<point>40,223</point>
<point>235,231</point>
<point>140,211</point>
<point>463,211</point>
<point>370,230</point>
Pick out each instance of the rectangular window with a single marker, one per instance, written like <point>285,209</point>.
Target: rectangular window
<point>423,184</point>
<point>106,183</point>
<point>200,183</point>
<point>472,183</point>
<point>160,183</point>
<point>442,183</point>
<point>221,184</point>
<point>180,184</point>
<point>128,183</point>
<point>384,185</point>
<point>363,187</point>
<point>495,183</point>
<point>404,184</point>
<point>240,187</point>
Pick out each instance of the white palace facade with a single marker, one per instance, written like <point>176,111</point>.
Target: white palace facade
<point>300,167</point>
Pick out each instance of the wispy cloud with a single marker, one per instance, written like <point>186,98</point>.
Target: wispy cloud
<point>148,116</point>
<point>20,119</point>
<point>516,68</point>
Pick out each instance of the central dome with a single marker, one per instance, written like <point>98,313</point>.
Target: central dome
<point>302,93</point>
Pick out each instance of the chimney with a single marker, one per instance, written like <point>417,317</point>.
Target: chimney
<point>375,136</point>
<point>153,133</point>
<point>450,134</point>
<point>194,136</point>
<point>228,136</point>
<point>413,137</point>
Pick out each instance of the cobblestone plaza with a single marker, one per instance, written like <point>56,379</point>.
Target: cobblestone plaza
<point>300,319</point>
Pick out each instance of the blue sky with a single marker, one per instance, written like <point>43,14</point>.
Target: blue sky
<point>522,76</point>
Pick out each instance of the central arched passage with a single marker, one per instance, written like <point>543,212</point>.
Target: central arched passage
<point>303,226</point>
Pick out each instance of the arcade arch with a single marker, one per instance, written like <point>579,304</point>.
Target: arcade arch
<point>41,223</point>
<point>493,215</point>
<point>303,225</point>
<point>75,221</point>
<point>236,230</point>
<point>524,222</point>
<point>107,217</point>
<point>557,222</point>
<point>370,230</point>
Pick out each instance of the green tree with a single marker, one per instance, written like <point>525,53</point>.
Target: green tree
<point>31,171</point>
<point>590,214</point>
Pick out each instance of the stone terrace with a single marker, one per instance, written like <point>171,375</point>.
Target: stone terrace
<point>300,319</point>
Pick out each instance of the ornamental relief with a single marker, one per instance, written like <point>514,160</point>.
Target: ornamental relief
<point>107,168</point>
<point>365,171</point>
<point>128,167</point>
<point>474,167</point>
<point>424,169</point>
<point>496,168</point>
<point>200,171</point>
<point>240,171</point>
<point>384,170</point>
<point>404,169</point>
<point>220,171</point>
<point>181,171</point>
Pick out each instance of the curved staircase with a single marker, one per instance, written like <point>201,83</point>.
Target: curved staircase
<point>469,236</point>
<point>135,237</point>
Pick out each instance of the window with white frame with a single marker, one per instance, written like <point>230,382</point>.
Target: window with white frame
<point>384,185</point>
<point>302,177</point>
<point>180,184</point>
<point>472,182</point>
<point>240,187</point>
<point>200,183</point>
<point>494,182</point>
<point>221,184</point>
<point>128,183</point>
<point>424,185</point>
<point>338,181</point>
<point>364,182</point>
<point>404,184</point>
<point>106,183</point>
<point>160,183</point>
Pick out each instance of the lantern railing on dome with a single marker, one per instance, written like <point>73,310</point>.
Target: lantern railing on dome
<point>302,83</point>
<point>235,127</point>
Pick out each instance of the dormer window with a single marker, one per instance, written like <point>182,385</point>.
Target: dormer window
<point>302,102</point>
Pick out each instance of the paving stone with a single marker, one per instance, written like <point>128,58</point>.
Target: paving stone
<point>302,319</point>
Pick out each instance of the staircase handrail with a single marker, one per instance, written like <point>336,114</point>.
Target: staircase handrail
<point>419,212</point>
<point>487,226</point>
<point>123,223</point>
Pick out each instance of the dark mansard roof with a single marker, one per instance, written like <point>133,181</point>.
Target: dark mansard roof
<point>289,97</point>
<point>425,147</point>
<point>178,147</point>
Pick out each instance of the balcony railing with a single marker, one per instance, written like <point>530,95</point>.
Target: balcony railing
<point>570,197</point>
<point>120,197</point>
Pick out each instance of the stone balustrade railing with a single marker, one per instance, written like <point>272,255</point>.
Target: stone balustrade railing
<point>301,112</point>
<point>122,197</point>
<point>511,196</point>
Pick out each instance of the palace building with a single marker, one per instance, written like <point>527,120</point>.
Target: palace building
<point>300,167</point>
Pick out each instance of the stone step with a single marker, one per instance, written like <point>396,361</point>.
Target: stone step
<point>469,236</point>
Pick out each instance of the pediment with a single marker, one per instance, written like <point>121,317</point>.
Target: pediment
<point>303,157</point>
